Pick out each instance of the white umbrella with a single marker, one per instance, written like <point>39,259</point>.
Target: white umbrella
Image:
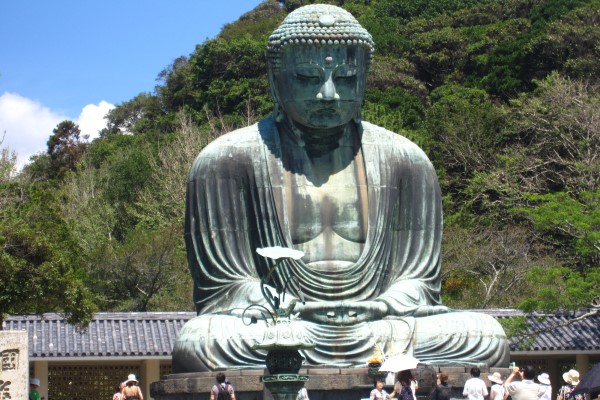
<point>399,363</point>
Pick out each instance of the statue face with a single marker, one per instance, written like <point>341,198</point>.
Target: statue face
<point>321,87</point>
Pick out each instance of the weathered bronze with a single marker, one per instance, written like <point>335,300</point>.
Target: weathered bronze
<point>361,202</point>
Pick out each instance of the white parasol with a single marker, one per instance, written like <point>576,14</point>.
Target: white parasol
<point>399,363</point>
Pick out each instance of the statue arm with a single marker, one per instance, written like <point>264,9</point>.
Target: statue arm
<point>413,232</point>
<point>220,237</point>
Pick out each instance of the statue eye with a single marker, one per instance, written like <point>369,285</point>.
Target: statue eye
<point>345,72</point>
<point>308,72</point>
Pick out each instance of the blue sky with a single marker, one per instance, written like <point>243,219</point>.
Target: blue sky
<point>76,59</point>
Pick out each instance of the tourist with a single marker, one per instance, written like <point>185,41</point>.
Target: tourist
<point>132,391</point>
<point>379,393</point>
<point>545,392</point>
<point>222,390</point>
<point>442,391</point>
<point>497,391</point>
<point>475,388</point>
<point>406,386</point>
<point>526,389</point>
<point>119,391</point>
<point>34,385</point>
<point>572,380</point>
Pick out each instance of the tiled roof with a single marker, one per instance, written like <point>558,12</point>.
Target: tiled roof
<point>152,334</point>
<point>109,334</point>
<point>556,335</point>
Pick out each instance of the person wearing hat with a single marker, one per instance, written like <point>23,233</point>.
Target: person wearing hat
<point>132,391</point>
<point>442,391</point>
<point>545,392</point>
<point>572,379</point>
<point>526,389</point>
<point>34,384</point>
<point>497,391</point>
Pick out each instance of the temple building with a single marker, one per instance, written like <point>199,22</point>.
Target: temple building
<point>87,364</point>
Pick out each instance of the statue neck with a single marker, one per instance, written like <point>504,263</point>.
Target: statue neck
<point>317,141</point>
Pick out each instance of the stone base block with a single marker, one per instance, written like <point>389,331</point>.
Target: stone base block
<point>323,384</point>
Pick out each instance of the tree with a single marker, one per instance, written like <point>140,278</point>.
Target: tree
<point>489,267</point>
<point>8,163</point>
<point>65,148</point>
<point>39,264</point>
<point>556,133</point>
<point>142,114</point>
<point>130,225</point>
<point>146,272</point>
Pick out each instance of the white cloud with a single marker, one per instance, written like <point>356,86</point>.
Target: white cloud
<point>91,120</point>
<point>27,124</point>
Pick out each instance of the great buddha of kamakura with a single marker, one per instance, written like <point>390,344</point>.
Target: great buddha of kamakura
<point>362,203</point>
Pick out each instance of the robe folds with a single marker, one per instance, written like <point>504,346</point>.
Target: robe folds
<point>238,200</point>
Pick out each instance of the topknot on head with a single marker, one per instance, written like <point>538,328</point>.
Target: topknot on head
<point>318,25</point>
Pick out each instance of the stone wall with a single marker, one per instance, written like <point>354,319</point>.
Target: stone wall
<point>324,383</point>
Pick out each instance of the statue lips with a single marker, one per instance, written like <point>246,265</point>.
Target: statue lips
<point>331,113</point>
<point>338,107</point>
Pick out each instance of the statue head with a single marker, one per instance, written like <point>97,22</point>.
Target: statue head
<point>318,59</point>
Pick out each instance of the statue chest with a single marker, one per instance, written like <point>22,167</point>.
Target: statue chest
<point>327,211</point>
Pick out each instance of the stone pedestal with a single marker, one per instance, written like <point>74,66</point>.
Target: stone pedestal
<point>324,384</point>
<point>14,365</point>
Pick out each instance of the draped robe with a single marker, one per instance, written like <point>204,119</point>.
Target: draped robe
<point>238,200</point>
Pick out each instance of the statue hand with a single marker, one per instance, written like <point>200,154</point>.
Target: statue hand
<point>424,311</point>
<point>341,313</point>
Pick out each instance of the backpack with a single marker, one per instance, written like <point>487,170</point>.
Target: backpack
<point>441,392</point>
<point>223,392</point>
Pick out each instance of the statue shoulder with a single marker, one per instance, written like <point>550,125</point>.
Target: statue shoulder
<point>231,150</point>
<point>231,141</point>
<point>380,137</point>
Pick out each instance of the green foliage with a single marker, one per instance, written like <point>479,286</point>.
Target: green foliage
<point>8,164</point>
<point>569,220</point>
<point>466,127</point>
<point>142,114</point>
<point>487,266</point>
<point>515,328</point>
<point>258,23</point>
<point>229,74</point>
<point>411,9</point>
<point>39,268</point>
<point>502,95</point>
<point>128,213</point>
<point>393,108</point>
<point>561,288</point>
<point>569,43</point>
<point>143,273</point>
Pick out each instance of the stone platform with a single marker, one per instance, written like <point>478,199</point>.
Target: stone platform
<point>324,383</point>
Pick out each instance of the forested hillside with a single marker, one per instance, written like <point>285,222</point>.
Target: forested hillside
<point>503,95</point>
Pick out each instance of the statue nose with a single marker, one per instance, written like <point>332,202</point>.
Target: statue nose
<point>327,91</point>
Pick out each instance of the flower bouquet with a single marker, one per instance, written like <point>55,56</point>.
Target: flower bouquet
<point>373,364</point>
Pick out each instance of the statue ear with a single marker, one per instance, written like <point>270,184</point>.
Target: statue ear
<point>278,113</point>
